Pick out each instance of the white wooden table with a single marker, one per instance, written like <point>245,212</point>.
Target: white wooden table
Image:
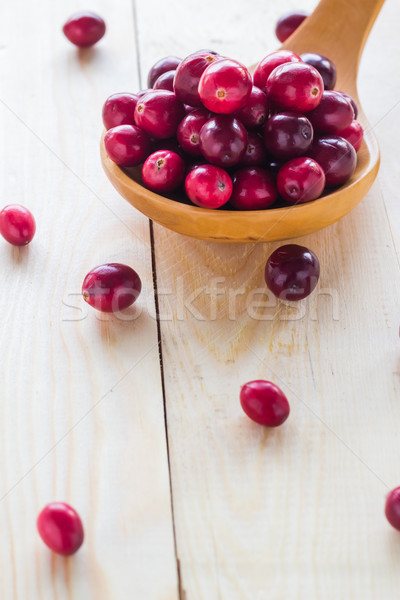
<point>182,497</point>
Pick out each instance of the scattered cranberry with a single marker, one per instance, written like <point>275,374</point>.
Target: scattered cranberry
<point>223,141</point>
<point>208,186</point>
<point>225,86</point>
<point>352,102</point>
<point>127,145</point>
<point>333,114</point>
<point>295,86</point>
<point>111,287</point>
<point>287,135</point>
<point>264,403</point>
<point>17,225</point>
<point>269,63</point>
<point>255,155</point>
<point>392,508</point>
<point>119,109</point>
<point>301,180</point>
<point>188,75</point>
<point>336,156</point>
<point>288,24</point>
<point>354,134</point>
<point>159,113</point>
<point>189,130</point>
<point>60,527</point>
<point>163,171</point>
<point>165,81</point>
<point>84,29</point>
<point>292,272</point>
<point>253,189</point>
<point>255,111</point>
<point>169,63</point>
<point>324,66</point>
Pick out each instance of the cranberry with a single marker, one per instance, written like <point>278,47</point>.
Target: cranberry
<point>253,189</point>
<point>301,180</point>
<point>324,66</point>
<point>287,135</point>
<point>352,102</point>
<point>333,114</point>
<point>127,145</point>
<point>188,75</point>
<point>255,111</point>
<point>17,224</point>
<point>84,29</point>
<point>208,186</point>
<point>392,508</point>
<point>119,109</point>
<point>163,171</point>
<point>169,63</point>
<point>264,403</point>
<point>292,272</point>
<point>354,134</point>
<point>225,86</point>
<point>255,155</point>
<point>60,527</point>
<point>295,86</point>
<point>111,287</point>
<point>223,141</point>
<point>189,130</point>
<point>165,81</point>
<point>159,113</point>
<point>288,23</point>
<point>336,156</point>
<point>269,63</point>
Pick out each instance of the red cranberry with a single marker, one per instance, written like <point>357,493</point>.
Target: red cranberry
<point>287,135</point>
<point>336,156</point>
<point>288,23</point>
<point>119,109</point>
<point>111,287</point>
<point>269,63</point>
<point>264,403</point>
<point>84,29</point>
<point>253,189</point>
<point>223,141</point>
<point>165,81</point>
<point>292,272</point>
<point>127,145</point>
<point>392,508</point>
<point>159,113</point>
<point>60,527</point>
<point>163,171</point>
<point>301,180</point>
<point>169,63</point>
<point>354,134</point>
<point>188,75</point>
<point>333,114</point>
<point>324,66</point>
<point>255,155</point>
<point>352,102</point>
<point>295,86</point>
<point>208,186</point>
<point>17,225</point>
<point>225,86</point>
<point>255,111</point>
<point>189,130</point>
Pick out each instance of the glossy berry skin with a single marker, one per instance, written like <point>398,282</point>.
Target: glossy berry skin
<point>188,132</point>
<point>111,287</point>
<point>292,272</point>
<point>225,86</point>
<point>17,224</point>
<point>169,63</point>
<point>287,135</point>
<point>324,66</point>
<point>84,29</point>
<point>127,145</point>
<point>288,24</point>
<point>208,186</point>
<point>352,102</point>
<point>119,109</point>
<point>392,508</point>
<point>255,154</point>
<point>269,63</point>
<point>264,402</point>
<point>255,111</point>
<point>301,180</point>
<point>333,114</point>
<point>165,81</point>
<point>295,86</point>
<point>336,156</point>
<point>187,77</point>
<point>223,141</point>
<point>253,189</point>
<point>159,113</point>
<point>163,171</point>
<point>60,528</point>
<point>354,134</point>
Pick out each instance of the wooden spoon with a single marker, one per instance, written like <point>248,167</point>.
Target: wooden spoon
<point>338,29</point>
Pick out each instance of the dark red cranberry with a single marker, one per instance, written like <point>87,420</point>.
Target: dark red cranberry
<point>163,171</point>
<point>352,102</point>
<point>188,75</point>
<point>253,189</point>
<point>354,134</point>
<point>295,86</point>
<point>255,155</point>
<point>287,135</point>
<point>333,114</point>
<point>111,287</point>
<point>269,63</point>
<point>292,272</point>
<point>301,180</point>
<point>392,508</point>
<point>264,403</point>
<point>223,141</point>
<point>324,66</point>
<point>17,225</point>
<point>84,29</point>
<point>119,109</point>
<point>336,156</point>
<point>159,113</point>
<point>127,145</point>
<point>208,186</point>
<point>288,24</point>
<point>255,111</point>
<point>189,130</point>
<point>165,81</point>
<point>169,63</point>
<point>225,86</point>
<point>60,527</point>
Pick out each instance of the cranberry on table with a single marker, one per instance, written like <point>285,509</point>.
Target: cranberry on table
<point>111,287</point>
<point>159,113</point>
<point>17,224</point>
<point>223,141</point>
<point>253,189</point>
<point>392,508</point>
<point>84,29</point>
<point>324,66</point>
<point>292,272</point>
<point>295,86</point>
<point>188,132</point>
<point>165,81</point>
<point>127,145</point>
<point>60,528</point>
<point>352,102</point>
<point>187,77</point>
<point>255,154</point>
<point>287,135</point>
<point>225,86</point>
<point>264,402</point>
<point>354,134</point>
<point>336,156</point>
<point>333,114</point>
<point>301,180</point>
<point>163,171</point>
<point>269,63</point>
<point>255,111</point>
<point>288,24</point>
<point>169,63</point>
<point>208,186</point>
<point>119,109</point>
